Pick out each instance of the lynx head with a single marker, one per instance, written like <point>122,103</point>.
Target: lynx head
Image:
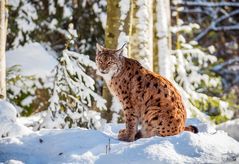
<point>109,61</point>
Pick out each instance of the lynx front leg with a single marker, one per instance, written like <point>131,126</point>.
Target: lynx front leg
<point>128,134</point>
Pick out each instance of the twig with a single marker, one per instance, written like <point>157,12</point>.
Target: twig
<point>203,33</point>
<point>106,149</point>
<point>208,4</point>
<point>226,28</point>
<point>235,12</point>
<point>109,146</point>
<point>197,10</point>
<point>225,13</point>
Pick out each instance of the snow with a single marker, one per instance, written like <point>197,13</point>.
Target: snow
<point>142,33</point>
<point>124,8</point>
<point>123,38</point>
<point>8,121</point>
<point>116,107</point>
<point>231,127</point>
<point>33,58</point>
<point>24,21</point>
<point>68,11</point>
<point>28,100</point>
<point>80,145</point>
<point>25,24</point>
<point>163,41</point>
<point>61,2</point>
<point>98,10</point>
<point>14,3</point>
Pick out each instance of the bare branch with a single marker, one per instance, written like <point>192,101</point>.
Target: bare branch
<point>215,22</point>
<point>197,10</point>
<point>208,4</point>
<point>235,12</point>
<point>202,34</point>
<point>223,11</point>
<point>226,28</point>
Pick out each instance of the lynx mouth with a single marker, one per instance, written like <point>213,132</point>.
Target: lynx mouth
<point>104,72</point>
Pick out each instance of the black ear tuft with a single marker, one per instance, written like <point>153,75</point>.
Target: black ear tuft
<point>122,46</point>
<point>120,51</point>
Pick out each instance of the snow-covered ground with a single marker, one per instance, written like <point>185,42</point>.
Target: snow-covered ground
<point>9,124</point>
<point>231,127</point>
<point>90,146</point>
<point>33,58</point>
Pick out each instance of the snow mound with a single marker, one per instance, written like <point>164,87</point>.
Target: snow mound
<point>231,127</point>
<point>89,146</point>
<point>8,121</point>
<point>33,58</point>
<point>7,111</point>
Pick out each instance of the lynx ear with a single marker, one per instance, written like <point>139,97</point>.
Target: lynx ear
<point>120,51</point>
<point>98,48</point>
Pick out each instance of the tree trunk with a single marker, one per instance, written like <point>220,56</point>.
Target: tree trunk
<point>116,34</point>
<point>125,23</point>
<point>164,37</point>
<point>141,39</point>
<point>118,23</point>
<point>113,23</point>
<point>111,41</point>
<point>3,34</point>
<point>155,38</point>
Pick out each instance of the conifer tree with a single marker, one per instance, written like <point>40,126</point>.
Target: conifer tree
<point>73,95</point>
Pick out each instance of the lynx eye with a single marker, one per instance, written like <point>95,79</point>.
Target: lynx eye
<point>109,61</point>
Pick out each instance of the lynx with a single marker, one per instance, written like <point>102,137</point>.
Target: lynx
<point>147,98</point>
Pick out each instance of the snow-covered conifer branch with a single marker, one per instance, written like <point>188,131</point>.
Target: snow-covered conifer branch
<point>73,94</point>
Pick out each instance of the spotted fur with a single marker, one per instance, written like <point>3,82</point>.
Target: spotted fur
<point>147,98</point>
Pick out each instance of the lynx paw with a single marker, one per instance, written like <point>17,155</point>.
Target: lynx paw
<point>124,136</point>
